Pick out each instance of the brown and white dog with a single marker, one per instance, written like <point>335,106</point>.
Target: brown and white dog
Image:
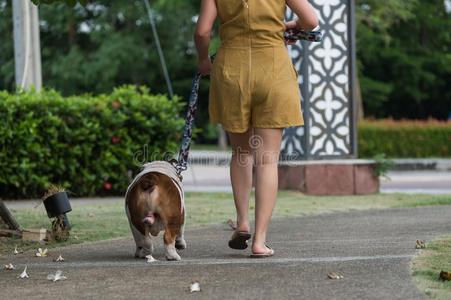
<point>154,202</point>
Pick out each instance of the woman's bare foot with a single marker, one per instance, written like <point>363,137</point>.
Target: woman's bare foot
<point>261,251</point>
<point>257,249</point>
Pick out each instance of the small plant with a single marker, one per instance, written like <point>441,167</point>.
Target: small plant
<point>52,190</point>
<point>383,165</point>
<point>57,204</point>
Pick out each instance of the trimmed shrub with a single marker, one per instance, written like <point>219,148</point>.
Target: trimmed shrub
<point>404,139</point>
<point>86,144</point>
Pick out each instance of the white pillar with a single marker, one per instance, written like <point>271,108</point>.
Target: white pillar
<point>327,81</point>
<point>27,52</point>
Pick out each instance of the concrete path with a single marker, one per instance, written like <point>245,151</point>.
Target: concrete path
<point>371,249</point>
<point>423,182</point>
<point>216,178</point>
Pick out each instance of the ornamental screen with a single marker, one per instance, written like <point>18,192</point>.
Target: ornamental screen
<point>326,78</point>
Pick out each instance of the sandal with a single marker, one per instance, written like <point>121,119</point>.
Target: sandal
<point>263,255</point>
<point>239,240</point>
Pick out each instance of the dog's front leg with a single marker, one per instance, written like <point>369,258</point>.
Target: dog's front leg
<point>169,243</point>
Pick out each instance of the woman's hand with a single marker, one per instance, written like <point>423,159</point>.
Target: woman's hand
<point>307,18</point>
<point>204,66</point>
<point>290,25</point>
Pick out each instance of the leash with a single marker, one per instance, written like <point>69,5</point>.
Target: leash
<point>181,163</point>
<point>311,36</point>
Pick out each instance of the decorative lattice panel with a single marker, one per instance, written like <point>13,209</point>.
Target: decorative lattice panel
<point>326,80</point>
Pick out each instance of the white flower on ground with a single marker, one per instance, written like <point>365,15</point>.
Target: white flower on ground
<point>59,259</point>
<point>41,253</point>
<point>150,259</point>
<point>333,275</point>
<point>57,276</point>
<point>195,287</point>
<point>9,267</point>
<point>24,274</point>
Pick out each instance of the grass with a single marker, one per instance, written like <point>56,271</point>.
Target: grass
<point>106,221</point>
<point>427,266</point>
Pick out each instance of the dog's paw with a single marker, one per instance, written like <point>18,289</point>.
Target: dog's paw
<point>180,244</point>
<point>172,255</point>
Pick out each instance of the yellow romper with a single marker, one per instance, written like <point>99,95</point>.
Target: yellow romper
<point>253,81</point>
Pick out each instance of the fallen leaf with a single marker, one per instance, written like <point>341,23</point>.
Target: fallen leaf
<point>195,287</point>
<point>57,276</point>
<point>91,215</point>
<point>41,253</point>
<point>59,259</point>
<point>420,245</point>
<point>231,224</point>
<point>24,274</point>
<point>333,275</point>
<point>9,267</point>
<point>150,259</point>
<point>445,276</point>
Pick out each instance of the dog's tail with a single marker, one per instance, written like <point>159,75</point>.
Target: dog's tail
<point>148,196</point>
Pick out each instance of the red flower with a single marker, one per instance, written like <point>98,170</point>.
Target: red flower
<point>107,186</point>
<point>115,139</point>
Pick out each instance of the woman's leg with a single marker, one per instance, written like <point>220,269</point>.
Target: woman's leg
<point>241,176</point>
<point>266,146</point>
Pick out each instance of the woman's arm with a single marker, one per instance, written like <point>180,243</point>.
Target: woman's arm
<point>207,17</point>
<point>306,14</point>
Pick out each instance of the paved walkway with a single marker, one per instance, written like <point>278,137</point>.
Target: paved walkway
<point>371,249</point>
<point>216,178</point>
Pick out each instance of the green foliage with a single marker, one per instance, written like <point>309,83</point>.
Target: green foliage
<point>403,49</point>
<point>407,139</point>
<point>68,2</point>
<point>383,165</point>
<point>84,143</point>
<point>93,48</point>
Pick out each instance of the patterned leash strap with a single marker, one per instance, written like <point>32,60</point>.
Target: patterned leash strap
<point>182,161</point>
<point>311,36</point>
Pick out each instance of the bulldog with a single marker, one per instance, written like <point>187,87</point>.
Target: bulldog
<point>154,202</point>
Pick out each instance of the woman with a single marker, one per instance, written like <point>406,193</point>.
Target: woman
<point>254,94</point>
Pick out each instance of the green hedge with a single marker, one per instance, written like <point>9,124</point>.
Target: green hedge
<point>86,144</point>
<point>404,139</point>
